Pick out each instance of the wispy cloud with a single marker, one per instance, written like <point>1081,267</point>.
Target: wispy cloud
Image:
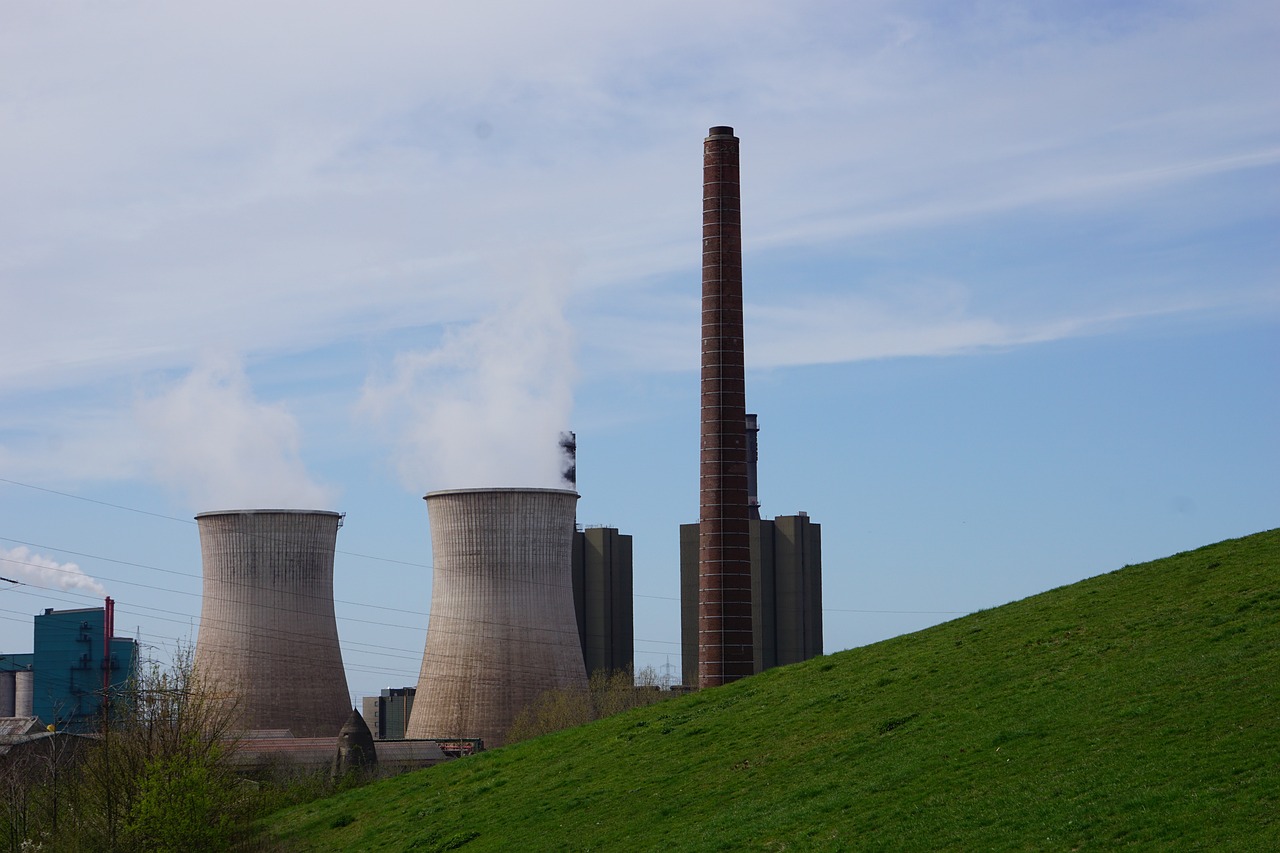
<point>349,172</point>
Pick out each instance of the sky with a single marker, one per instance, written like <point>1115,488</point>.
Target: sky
<point>1011,275</point>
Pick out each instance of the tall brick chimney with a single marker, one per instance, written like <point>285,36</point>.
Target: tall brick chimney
<point>725,648</point>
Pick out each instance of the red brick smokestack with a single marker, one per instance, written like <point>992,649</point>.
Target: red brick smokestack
<point>725,649</point>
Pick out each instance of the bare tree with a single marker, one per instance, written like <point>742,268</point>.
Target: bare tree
<point>608,693</point>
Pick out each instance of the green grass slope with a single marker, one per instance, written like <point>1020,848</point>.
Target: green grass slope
<point>1139,708</point>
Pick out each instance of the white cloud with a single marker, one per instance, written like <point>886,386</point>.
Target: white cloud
<point>487,406</point>
<point>179,179</point>
<point>209,439</point>
<point>24,565</point>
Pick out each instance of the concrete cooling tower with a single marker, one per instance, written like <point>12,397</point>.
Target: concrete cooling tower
<point>503,629</point>
<point>268,636</point>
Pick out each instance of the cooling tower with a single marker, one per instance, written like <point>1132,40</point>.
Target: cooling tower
<point>503,629</point>
<point>725,645</point>
<point>268,637</point>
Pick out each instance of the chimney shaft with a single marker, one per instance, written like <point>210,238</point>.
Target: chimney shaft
<point>725,648</point>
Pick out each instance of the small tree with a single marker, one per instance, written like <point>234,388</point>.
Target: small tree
<point>182,804</point>
<point>608,693</point>
<point>161,760</point>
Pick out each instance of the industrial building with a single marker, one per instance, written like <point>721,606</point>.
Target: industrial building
<point>601,584</point>
<point>78,667</point>
<point>750,589</point>
<point>503,629</point>
<point>17,673</point>
<point>268,637</point>
<point>602,599</point>
<point>786,593</point>
<point>388,714</point>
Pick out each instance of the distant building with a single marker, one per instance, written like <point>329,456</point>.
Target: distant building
<point>16,672</point>
<point>786,592</point>
<point>78,665</point>
<point>602,598</point>
<point>388,713</point>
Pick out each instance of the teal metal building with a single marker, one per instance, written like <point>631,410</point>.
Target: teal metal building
<point>78,663</point>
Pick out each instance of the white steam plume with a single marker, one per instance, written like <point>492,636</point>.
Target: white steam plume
<point>210,439</point>
<point>485,408</point>
<point>22,564</point>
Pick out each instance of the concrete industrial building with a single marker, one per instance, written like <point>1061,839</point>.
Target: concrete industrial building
<point>503,629</point>
<point>602,599</point>
<point>268,636</point>
<point>601,583</point>
<point>388,714</point>
<point>786,592</point>
<point>786,581</point>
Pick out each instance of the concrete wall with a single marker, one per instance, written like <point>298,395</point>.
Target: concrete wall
<point>268,636</point>
<point>503,629</point>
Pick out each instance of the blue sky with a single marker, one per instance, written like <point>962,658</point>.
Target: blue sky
<point>1011,275</point>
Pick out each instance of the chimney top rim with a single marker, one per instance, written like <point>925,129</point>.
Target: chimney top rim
<point>214,512</point>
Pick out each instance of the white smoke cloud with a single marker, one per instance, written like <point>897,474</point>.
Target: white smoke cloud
<point>487,406</point>
<point>22,564</point>
<point>211,440</point>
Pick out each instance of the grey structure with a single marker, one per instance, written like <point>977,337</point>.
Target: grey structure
<point>602,598</point>
<point>356,751</point>
<point>388,713</point>
<point>24,692</point>
<point>786,593</point>
<point>502,629</point>
<point>17,684</point>
<point>268,636</point>
<point>8,693</point>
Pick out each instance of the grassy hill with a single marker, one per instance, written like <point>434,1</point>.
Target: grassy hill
<point>1140,707</point>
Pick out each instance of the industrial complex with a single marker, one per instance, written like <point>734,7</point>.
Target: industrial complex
<point>524,600</point>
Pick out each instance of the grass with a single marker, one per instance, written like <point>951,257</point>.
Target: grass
<point>1138,708</point>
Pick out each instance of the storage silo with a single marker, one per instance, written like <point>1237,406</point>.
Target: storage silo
<point>268,635</point>
<point>503,629</point>
<point>23,692</point>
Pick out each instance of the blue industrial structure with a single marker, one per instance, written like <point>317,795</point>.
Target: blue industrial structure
<point>78,665</point>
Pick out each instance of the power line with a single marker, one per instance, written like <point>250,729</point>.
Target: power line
<point>187,521</point>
